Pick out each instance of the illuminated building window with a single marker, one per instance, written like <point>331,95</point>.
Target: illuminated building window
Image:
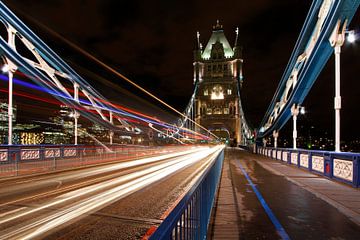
<point>206,92</point>
<point>226,110</point>
<point>217,93</point>
<point>217,111</point>
<point>208,111</point>
<point>229,91</point>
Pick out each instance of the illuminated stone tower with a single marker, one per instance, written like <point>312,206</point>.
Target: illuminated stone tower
<point>218,75</point>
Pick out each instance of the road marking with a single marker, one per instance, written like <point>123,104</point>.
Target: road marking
<point>279,228</point>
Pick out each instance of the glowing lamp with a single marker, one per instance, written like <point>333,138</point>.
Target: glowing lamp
<point>5,68</point>
<point>351,36</point>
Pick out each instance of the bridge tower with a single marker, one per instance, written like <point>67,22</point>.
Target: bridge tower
<point>218,79</point>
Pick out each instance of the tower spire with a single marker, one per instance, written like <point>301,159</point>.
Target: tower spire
<point>198,40</point>
<point>237,37</point>
<point>218,26</point>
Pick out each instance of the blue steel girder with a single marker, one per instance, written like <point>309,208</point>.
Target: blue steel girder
<point>311,52</point>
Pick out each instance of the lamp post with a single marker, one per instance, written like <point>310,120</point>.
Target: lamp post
<point>10,69</point>
<point>76,114</point>
<point>337,39</point>
<point>295,110</point>
<point>111,134</point>
<point>275,135</point>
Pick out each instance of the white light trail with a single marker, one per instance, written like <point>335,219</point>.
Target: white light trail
<point>112,190</point>
<point>107,168</point>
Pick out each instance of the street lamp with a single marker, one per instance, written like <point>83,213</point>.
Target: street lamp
<point>351,36</point>
<point>295,110</point>
<point>337,39</point>
<point>10,68</point>
<point>275,135</point>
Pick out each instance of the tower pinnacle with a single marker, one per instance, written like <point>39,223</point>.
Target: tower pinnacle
<point>218,26</point>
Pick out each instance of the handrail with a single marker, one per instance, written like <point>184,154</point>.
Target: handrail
<point>340,166</point>
<point>191,216</point>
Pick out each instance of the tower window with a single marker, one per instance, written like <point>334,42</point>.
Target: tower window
<point>229,91</point>
<point>206,92</point>
<point>217,111</point>
<point>217,93</point>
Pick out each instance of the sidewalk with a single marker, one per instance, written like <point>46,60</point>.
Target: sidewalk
<point>343,197</point>
<point>229,221</point>
<point>225,222</point>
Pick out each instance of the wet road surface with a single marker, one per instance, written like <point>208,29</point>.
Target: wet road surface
<point>113,201</point>
<point>300,213</point>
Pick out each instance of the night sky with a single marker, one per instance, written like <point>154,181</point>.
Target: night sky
<point>152,43</point>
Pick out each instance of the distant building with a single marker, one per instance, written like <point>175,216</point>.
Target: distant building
<point>4,112</point>
<point>218,73</point>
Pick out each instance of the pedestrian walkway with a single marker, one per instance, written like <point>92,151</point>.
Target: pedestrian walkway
<point>225,225</point>
<point>345,198</point>
<point>300,205</point>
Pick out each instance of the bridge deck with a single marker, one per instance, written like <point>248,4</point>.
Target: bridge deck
<point>298,204</point>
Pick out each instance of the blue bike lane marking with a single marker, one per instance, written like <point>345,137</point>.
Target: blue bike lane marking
<point>279,228</point>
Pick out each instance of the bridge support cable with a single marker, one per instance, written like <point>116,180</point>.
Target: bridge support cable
<point>311,52</point>
<point>247,131</point>
<point>188,125</point>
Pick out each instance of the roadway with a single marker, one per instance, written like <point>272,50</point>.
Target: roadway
<point>112,201</point>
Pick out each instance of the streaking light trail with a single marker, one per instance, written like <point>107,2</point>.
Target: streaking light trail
<point>83,201</point>
<point>119,109</point>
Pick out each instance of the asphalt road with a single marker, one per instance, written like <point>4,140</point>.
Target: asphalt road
<point>113,201</point>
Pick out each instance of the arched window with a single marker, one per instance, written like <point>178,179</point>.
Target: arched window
<point>217,93</point>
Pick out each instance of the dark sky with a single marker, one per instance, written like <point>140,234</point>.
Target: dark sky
<point>152,43</point>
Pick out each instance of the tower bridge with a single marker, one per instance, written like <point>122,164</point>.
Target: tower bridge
<point>218,76</point>
<point>183,184</point>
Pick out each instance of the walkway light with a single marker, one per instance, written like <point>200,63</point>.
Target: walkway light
<point>5,68</point>
<point>295,110</point>
<point>302,110</point>
<point>351,36</point>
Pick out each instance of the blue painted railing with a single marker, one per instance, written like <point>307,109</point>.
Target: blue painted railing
<point>191,216</point>
<point>340,166</point>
